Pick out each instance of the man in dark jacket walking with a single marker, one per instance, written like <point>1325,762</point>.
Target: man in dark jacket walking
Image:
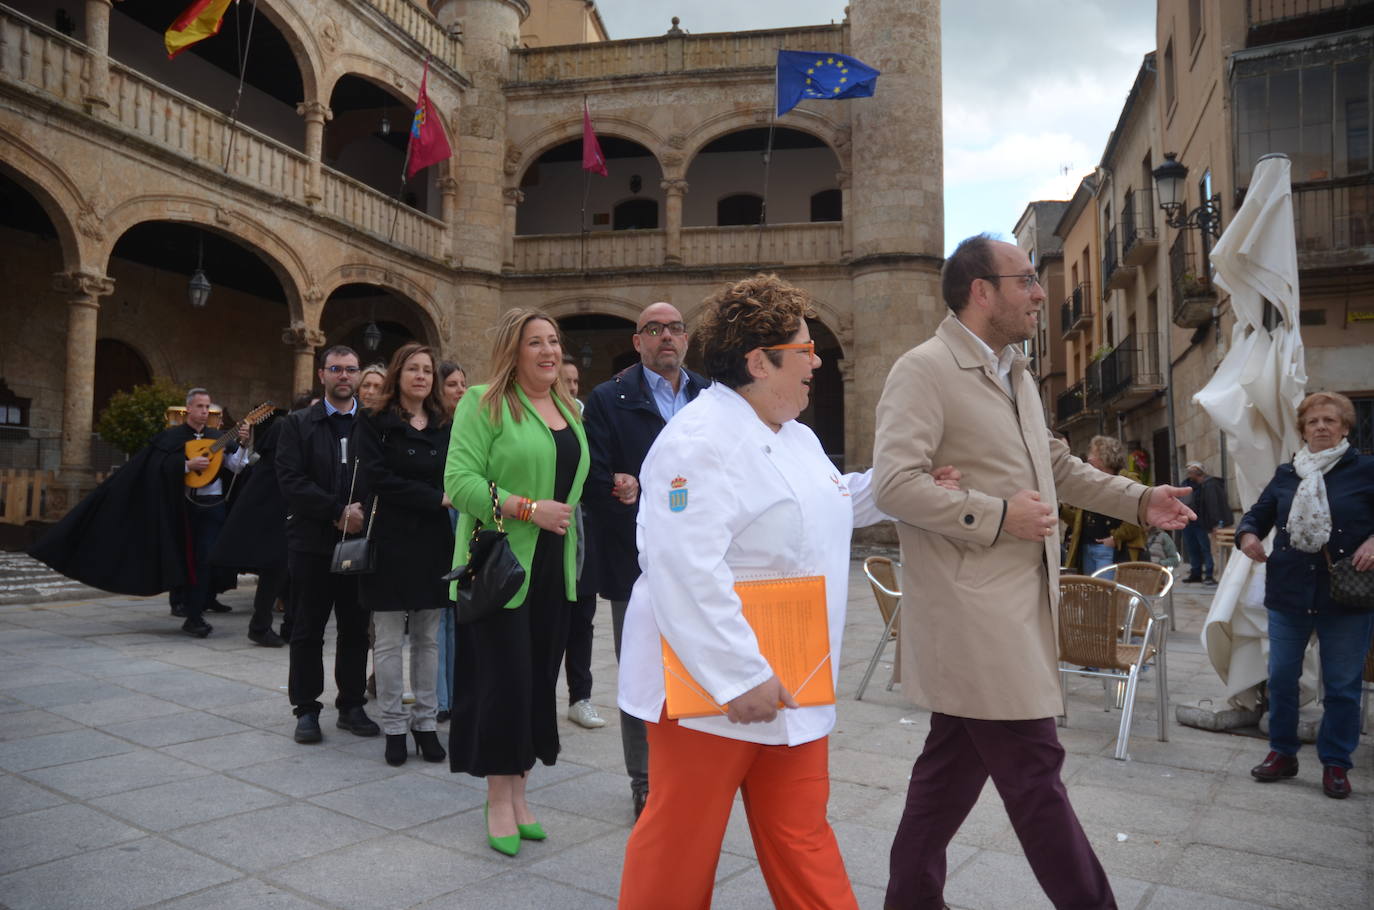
<point>324,491</point>
<point>623,417</point>
<point>1209,501</point>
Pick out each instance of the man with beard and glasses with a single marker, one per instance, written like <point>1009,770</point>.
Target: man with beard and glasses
<point>980,576</point>
<point>623,417</point>
<point>324,491</point>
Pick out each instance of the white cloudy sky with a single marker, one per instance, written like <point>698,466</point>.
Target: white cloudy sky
<point>1030,88</point>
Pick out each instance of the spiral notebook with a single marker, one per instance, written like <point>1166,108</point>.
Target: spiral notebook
<point>789,618</point>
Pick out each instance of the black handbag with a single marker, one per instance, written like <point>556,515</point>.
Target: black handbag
<point>356,556</point>
<point>492,575</point>
<point>1350,587</point>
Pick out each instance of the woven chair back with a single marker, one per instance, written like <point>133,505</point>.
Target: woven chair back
<point>883,571</point>
<point>1090,616</point>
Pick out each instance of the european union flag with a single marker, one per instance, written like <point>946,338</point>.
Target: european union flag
<point>804,74</point>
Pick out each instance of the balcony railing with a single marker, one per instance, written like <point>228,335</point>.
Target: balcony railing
<point>1191,280</point>
<point>52,65</point>
<point>1082,400</point>
<point>1139,239</point>
<point>1334,223</point>
<point>1076,310</point>
<point>1132,368</point>
<point>640,56</point>
<point>775,244</point>
<point>1114,275</point>
<point>423,28</point>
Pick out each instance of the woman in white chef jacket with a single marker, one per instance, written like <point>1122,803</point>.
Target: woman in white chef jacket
<point>735,488</point>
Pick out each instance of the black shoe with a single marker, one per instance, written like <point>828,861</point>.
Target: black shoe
<point>427,745</point>
<point>268,639</point>
<point>356,721</point>
<point>639,798</point>
<point>1209,580</point>
<point>308,729</point>
<point>396,749</point>
<point>197,628</point>
<point>1194,579</point>
<point>442,717</point>
<point>215,606</point>
<point>178,611</point>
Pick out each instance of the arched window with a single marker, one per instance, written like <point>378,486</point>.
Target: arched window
<point>741,208</point>
<point>635,215</point>
<point>825,206</point>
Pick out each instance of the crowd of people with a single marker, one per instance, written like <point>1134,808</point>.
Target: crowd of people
<point>662,493</point>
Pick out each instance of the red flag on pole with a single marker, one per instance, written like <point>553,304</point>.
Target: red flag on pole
<point>592,159</point>
<point>428,145</point>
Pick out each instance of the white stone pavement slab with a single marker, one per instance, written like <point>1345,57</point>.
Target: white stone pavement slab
<point>142,768</point>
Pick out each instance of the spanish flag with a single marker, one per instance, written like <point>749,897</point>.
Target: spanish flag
<point>201,20</point>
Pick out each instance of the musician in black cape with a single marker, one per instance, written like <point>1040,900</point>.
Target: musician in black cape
<point>144,531</point>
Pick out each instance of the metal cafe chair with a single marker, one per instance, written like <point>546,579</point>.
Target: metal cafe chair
<point>1093,614</point>
<point>1151,579</point>
<point>882,576</point>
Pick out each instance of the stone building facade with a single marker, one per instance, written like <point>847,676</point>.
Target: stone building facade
<point>1227,84</point>
<point>122,172</point>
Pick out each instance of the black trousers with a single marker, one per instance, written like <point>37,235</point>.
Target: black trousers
<point>271,585</point>
<point>1023,758</point>
<point>315,593</point>
<point>205,523</point>
<point>577,663</point>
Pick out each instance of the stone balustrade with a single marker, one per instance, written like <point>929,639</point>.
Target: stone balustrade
<point>793,244</point>
<point>423,28</point>
<point>669,53</point>
<point>379,215</point>
<point>41,60</point>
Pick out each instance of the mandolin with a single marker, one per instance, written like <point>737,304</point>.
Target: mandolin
<point>214,448</point>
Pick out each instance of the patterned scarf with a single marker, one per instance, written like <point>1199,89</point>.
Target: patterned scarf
<point>1309,518</point>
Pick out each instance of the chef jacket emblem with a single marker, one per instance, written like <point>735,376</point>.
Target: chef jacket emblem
<point>677,494</point>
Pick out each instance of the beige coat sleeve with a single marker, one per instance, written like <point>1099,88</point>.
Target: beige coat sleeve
<point>1080,484</point>
<point>907,442</point>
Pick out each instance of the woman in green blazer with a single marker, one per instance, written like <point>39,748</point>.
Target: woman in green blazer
<point>523,432</point>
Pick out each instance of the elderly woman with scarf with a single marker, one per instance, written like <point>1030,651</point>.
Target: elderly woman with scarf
<point>1323,506</point>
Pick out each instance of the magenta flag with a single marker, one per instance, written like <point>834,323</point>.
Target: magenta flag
<point>428,145</point>
<point>592,159</point>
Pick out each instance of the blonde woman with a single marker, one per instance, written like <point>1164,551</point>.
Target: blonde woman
<point>523,432</point>
<point>370,383</point>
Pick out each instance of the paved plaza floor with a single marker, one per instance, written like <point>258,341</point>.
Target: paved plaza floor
<point>142,768</point>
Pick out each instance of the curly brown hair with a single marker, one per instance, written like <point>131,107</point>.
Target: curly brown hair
<point>753,313</point>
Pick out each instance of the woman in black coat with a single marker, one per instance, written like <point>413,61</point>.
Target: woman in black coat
<point>1322,503</point>
<point>404,445</point>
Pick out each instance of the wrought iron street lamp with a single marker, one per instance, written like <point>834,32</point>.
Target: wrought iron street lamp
<point>1171,189</point>
<point>199,288</point>
<point>372,336</point>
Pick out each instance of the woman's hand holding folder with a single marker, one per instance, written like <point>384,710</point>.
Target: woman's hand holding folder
<point>761,703</point>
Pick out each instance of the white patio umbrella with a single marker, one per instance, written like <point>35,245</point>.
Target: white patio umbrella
<point>1253,397</point>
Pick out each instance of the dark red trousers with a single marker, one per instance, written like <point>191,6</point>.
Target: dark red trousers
<point>1023,758</point>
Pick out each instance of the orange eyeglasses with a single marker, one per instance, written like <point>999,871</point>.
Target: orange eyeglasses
<point>808,346</point>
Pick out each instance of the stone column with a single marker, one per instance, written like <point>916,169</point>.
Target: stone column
<point>672,220</point>
<point>98,40</point>
<point>305,340</point>
<point>78,397</point>
<point>845,179</point>
<point>513,197</point>
<point>448,209</point>
<point>316,115</point>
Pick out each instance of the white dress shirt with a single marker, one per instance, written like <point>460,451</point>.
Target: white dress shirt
<point>999,363</point>
<point>758,504</point>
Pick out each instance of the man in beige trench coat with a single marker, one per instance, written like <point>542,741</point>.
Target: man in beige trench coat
<point>980,573</point>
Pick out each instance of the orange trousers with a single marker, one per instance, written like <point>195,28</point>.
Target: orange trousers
<point>671,857</point>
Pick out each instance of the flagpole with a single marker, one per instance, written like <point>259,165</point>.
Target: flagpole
<point>586,192</point>
<point>400,193</point>
<point>243,68</point>
<point>767,165</point>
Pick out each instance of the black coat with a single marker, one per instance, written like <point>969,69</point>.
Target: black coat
<point>1299,582</point>
<point>411,532</point>
<point>1209,502</point>
<point>254,535</point>
<point>622,423</point>
<point>312,479</point>
<point>130,534</point>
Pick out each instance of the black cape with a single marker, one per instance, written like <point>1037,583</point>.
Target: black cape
<point>253,538</point>
<point>129,536</point>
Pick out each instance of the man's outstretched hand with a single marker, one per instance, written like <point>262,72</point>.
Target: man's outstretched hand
<point>1165,508</point>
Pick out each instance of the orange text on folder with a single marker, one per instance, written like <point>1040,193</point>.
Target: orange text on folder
<point>789,619</point>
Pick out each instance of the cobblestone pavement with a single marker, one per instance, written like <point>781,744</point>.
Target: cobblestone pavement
<point>139,767</point>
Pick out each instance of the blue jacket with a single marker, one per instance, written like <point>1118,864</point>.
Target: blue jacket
<point>1298,582</point>
<point>622,423</point>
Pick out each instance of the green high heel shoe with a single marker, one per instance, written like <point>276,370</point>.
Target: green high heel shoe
<point>532,831</point>
<point>509,845</point>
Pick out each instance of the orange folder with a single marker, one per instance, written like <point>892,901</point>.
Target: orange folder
<point>789,618</point>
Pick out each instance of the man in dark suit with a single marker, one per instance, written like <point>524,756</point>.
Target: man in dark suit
<point>316,468</point>
<point>623,417</point>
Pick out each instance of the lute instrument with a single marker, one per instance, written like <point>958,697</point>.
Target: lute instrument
<point>213,449</point>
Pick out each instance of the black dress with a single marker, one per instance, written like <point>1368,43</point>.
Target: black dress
<point>505,675</point>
